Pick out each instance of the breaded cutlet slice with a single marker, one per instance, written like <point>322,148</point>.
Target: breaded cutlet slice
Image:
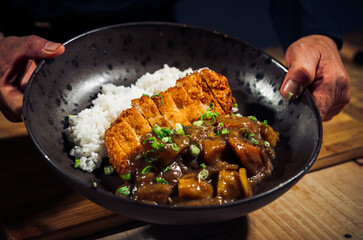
<point>117,155</point>
<point>121,135</point>
<point>199,92</point>
<point>218,84</point>
<point>147,107</point>
<point>136,121</point>
<point>185,104</point>
<point>169,110</point>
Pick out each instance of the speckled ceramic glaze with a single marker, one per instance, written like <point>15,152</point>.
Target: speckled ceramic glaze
<point>122,53</point>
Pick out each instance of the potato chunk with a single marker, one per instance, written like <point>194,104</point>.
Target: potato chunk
<point>192,188</point>
<point>229,185</point>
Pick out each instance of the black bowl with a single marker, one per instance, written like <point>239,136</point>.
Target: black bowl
<point>122,53</point>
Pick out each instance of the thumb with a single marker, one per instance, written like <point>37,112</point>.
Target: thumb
<point>301,73</point>
<point>33,47</point>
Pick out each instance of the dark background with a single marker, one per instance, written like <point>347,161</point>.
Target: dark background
<point>249,20</point>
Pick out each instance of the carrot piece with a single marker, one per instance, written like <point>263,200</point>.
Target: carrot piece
<point>246,186</point>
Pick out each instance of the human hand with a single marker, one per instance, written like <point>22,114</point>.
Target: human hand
<point>314,62</point>
<point>17,55</point>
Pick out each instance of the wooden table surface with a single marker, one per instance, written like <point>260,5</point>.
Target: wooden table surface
<point>325,204</point>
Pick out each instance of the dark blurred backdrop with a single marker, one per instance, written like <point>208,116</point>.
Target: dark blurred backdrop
<point>249,20</point>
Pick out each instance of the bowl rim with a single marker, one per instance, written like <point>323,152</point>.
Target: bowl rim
<point>65,174</point>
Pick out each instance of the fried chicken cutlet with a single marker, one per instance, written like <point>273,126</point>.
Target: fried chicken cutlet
<point>191,96</point>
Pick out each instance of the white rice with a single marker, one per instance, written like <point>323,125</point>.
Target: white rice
<point>87,129</point>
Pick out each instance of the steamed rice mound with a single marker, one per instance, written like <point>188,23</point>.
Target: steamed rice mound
<point>87,128</point>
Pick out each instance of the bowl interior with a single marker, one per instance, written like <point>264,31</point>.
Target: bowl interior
<point>120,54</point>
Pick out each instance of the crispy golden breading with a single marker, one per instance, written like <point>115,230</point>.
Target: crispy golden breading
<point>136,121</point>
<point>191,96</point>
<point>186,106</point>
<point>118,157</point>
<point>218,84</point>
<point>193,85</point>
<point>150,111</point>
<point>169,110</point>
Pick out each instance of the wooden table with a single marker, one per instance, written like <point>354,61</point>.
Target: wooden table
<point>325,204</point>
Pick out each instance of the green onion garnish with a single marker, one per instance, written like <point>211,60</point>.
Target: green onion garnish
<point>254,141</point>
<point>126,176</point>
<point>190,139</point>
<point>166,139</point>
<point>236,105</point>
<point>161,180</point>
<point>146,170</point>
<point>225,131</point>
<point>238,115</point>
<point>94,183</point>
<point>253,118</point>
<point>150,159</point>
<point>77,162</point>
<point>154,143</point>
<point>179,129</point>
<point>203,165</point>
<point>145,95</point>
<point>124,191</point>
<point>194,150</point>
<point>267,144</point>
<point>108,170</point>
<point>168,168</point>
<point>198,123</point>
<point>246,133</point>
<point>174,147</point>
<point>158,95</point>
<point>265,123</point>
<point>202,175</point>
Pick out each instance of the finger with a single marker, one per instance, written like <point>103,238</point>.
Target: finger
<point>31,66</point>
<point>33,47</point>
<point>300,74</point>
<point>12,110</point>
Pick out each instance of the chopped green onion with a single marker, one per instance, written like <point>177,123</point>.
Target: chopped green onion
<point>225,131</point>
<point>179,129</point>
<point>246,133</point>
<point>174,147</point>
<point>94,183</point>
<point>168,168</point>
<point>170,200</point>
<point>158,130</point>
<point>124,191</point>
<point>77,162</point>
<point>254,140</point>
<point>203,165</point>
<point>194,150</point>
<point>238,115</point>
<point>289,95</point>
<point>211,106</point>
<point>236,105</point>
<point>190,139</point>
<point>161,180</point>
<point>251,135</point>
<point>108,170</point>
<point>202,175</point>
<point>253,118</point>
<point>126,176</point>
<point>267,144</point>
<point>145,95</point>
<point>166,139</point>
<point>265,123</point>
<point>150,159</point>
<point>154,143</point>
<point>158,95</point>
<point>198,123</point>
<point>146,170</point>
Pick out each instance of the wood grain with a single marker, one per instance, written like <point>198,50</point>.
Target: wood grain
<point>323,205</point>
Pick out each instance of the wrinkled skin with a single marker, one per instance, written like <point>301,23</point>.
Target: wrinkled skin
<point>17,55</point>
<point>314,62</point>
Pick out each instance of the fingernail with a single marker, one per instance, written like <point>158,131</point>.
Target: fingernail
<point>292,89</point>
<point>51,46</point>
